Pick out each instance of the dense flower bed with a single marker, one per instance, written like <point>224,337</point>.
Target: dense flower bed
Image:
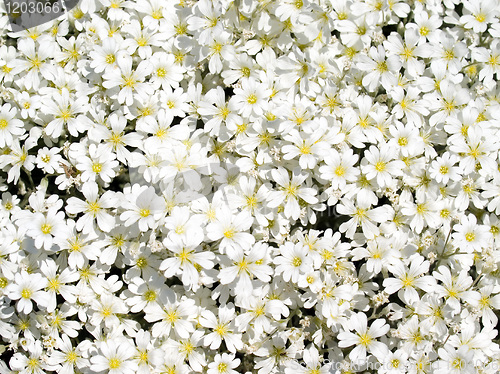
<point>251,186</point>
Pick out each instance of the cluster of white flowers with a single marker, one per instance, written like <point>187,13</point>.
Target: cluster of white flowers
<point>251,186</point>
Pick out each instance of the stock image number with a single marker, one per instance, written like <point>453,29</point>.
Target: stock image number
<point>32,7</point>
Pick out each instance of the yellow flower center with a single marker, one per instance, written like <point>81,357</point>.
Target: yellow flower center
<point>361,30</point>
<point>305,149</point>
<point>480,17</point>
<point>407,53</point>
<point>339,171</point>
<point>94,207</point>
<point>222,367</point>
<point>313,371</point>
<point>156,14</point>
<point>224,112</point>
<point>172,316</point>
<point>291,190</point>
<point>46,228</point>
<point>110,59</point>
<point>221,329</point>
<point>217,47</point>
<point>421,208</point>
<point>382,66</point>
<point>96,167</point>
<point>449,54</point>
<point>365,339</point>
<point>458,363</point>
<point>187,347</point>
<point>71,356</point>
<point>114,363</point>
<point>493,60</point>
<point>3,124</point>
<point>251,201</point>
<point>142,41</point>
<point>403,141</point>
<point>445,213</point>
<point>128,82</point>
<point>106,311</point>
<point>407,281</point>
<point>342,15</point>
<point>470,236</point>
<point>118,241</point>
<point>229,233</point>
<point>484,301</point>
<point>144,213</point>
<point>297,261</point>
<point>424,31</point>
<point>26,293</point>
<point>252,99</point>
<point>141,262</point>
<point>179,56</point>
<point>380,166</point>
<point>184,255</point>
<point>33,364</point>
<point>161,72</point>
<point>54,284</point>
<point>149,295</point>
<point>143,356</point>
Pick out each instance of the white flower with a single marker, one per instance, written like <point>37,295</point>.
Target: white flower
<point>455,361</point>
<point>479,14</point>
<point>222,326</point>
<point>309,147</point>
<point>69,357</point>
<point>223,364</point>
<point>45,227</point>
<point>56,284</point>
<point>10,126</point>
<point>142,206</point>
<point>28,287</point>
<point>64,109</point>
<point>172,314</point>
<point>468,234</point>
<point>291,191</point>
<point>340,168</point>
<point>165,72</point>
<point>409,279</point>
<point>231,229</point>
<point>99,163</point>
<point>127,80</point>
<point>115,357</point>
<point>365,338</point>
<point>380,69</point>
<point>34,363</point>
<point>442,169</point>
<point>362,216</point>
<point>104,56</point>
<point>187,257</point>
<point>94,209</point>
<point>49,160</point>
<point>293,261</point>
<point>379,163</point>
<point>251,99</point>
